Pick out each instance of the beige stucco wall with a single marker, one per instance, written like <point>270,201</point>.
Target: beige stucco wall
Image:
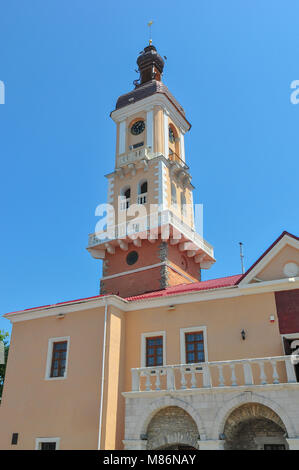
<point>68,408</point>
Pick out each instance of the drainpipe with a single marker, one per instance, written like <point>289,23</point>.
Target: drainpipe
<point>103,376</point>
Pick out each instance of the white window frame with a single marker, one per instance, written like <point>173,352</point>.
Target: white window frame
<point>40,440</point>
<point>193,329</point>
<point>51,341</point>
<point>143,346</point>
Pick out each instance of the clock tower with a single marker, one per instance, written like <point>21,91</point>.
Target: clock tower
<point>149,241</point>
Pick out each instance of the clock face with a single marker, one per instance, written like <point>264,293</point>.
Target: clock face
<point>171,135</point>
<point>138,127</point>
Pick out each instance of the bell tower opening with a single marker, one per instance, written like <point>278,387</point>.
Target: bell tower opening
<point>150,194</point>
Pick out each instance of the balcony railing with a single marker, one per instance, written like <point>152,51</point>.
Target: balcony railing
<point>134,156</point>
<point>243,372</point>
<point>145,224</point>
<point>175,158</point>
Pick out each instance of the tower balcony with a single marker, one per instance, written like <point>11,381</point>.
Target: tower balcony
<point>220,375</point>
<point>164,225</point>
<point>144,154</point>
<point>135,156</point>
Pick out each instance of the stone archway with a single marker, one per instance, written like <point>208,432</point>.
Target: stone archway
<point>254,426</point>
<point>172,428</point>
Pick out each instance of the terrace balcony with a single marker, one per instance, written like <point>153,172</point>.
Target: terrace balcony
<point>220,375</point>
<point>164,224</point>
<point>144,154</point>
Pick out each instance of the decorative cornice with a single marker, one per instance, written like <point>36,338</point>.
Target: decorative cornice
<point>158,99</point>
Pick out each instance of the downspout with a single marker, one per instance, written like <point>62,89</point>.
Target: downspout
<point>103,376</point>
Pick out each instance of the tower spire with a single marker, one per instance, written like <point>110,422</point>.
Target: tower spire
<point>149,24</point>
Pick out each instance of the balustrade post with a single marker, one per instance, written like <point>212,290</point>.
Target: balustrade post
<point>248,378</point>
<point>170,382</point>
<point>221,377</point>
<point>135,381</point>
<point>148,381</point>
<point>183,378</point>
<point>158,372</point>
<point>275,374</point>
<point>206,376</point>
<point>233,376</point>
<point>193,378</point>
<point>262,375</point>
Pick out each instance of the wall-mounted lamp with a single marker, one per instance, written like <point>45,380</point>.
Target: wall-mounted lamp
<point>243,334</point>
<point>171,307</point>
<point>60,316</point>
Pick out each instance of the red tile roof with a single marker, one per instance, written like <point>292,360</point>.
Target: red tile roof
<point>192,287</point>
<point>179,289</point>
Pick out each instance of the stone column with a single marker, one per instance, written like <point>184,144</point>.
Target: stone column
<point>293,443</point>
<point>134,444</point>
<point>211,445</point>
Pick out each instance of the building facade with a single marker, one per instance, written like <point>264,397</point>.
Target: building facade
<point>159,359</point>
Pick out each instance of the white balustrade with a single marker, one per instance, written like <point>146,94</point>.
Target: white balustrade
<point>256,371</point>
<point>134,156</point>
<point>150,223</point>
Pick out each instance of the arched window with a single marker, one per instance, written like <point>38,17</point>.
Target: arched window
<point>125,198</point>
<point>173,194</point>
<point>173,144</point>
<point>142,192</point>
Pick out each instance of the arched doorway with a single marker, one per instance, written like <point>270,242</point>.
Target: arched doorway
<point>253,426</point>
<point>172,428</point>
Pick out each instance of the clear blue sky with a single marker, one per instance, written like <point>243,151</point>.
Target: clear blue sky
<point>65,62</point>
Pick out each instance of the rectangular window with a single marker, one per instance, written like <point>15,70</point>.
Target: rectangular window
<point>154,351</point>
<point>58,359</point>
<point>48,446</point>
<point>194,344</point>
<point>47,443</point>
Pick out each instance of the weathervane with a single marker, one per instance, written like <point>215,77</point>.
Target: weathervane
<point>149,24</point>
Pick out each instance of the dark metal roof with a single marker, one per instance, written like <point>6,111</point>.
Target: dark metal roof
<point>145,90</point>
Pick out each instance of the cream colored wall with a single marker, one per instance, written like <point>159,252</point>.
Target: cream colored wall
<point>114,379</point>
<point>274,269</point>
<point>67,408</point>
<point>158,130</point>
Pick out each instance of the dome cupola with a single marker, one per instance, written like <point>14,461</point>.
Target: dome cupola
<point>150,65</point>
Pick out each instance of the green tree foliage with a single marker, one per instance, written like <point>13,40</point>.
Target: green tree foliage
<point>3,337</point>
